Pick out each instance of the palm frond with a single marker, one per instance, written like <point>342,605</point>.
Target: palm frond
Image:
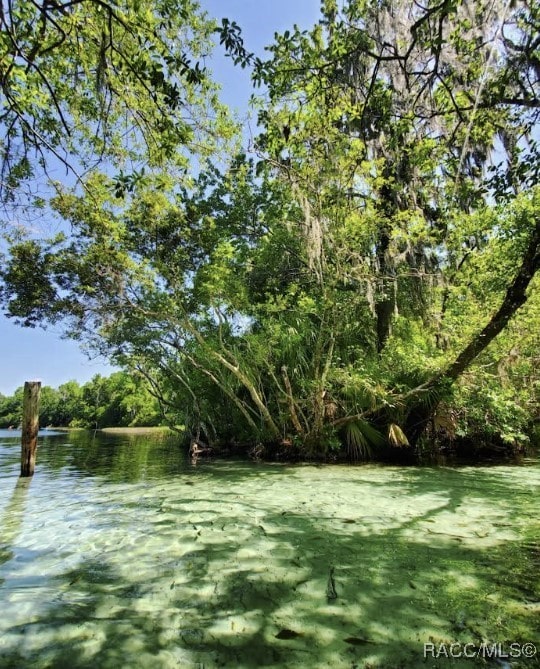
<point>430,397</point>
<point>396,436</point>
<point>361,438</point>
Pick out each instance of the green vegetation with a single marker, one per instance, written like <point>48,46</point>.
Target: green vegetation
<point>119,400</point>
<point>366,280</point>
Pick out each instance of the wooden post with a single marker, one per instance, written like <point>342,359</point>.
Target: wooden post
<point>30,427</point>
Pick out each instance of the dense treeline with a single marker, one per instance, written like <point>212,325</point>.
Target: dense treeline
<point>116,401</point>
<point>364,279</point>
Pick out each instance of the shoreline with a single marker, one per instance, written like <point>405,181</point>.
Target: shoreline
<point>136,430</point>
<point>460,453</point>
<point>112,430</point>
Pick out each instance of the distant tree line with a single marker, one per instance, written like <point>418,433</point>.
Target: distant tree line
<point>116,401</point>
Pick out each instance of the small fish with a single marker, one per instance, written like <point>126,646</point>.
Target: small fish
<point>287,634</point>
<point>331,586</point>
<point>356,641</point>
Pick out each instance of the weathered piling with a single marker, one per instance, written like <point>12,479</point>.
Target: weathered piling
<point>30,427</point>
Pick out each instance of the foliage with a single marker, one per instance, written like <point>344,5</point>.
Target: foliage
<point>354,284</point>
<point>117,401</point>
<point>96,82</point>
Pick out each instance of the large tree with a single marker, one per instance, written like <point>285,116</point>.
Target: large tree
<point>397,126</point>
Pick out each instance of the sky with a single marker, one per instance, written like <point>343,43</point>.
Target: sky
<point>37,354</point>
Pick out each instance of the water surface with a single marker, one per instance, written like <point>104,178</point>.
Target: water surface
<point>121,553</point>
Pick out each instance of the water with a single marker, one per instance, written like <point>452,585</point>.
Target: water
<point>121,553</point>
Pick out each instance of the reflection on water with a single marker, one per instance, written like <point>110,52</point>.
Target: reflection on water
<point>120,553</point>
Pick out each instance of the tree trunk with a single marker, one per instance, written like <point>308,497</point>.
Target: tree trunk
<point>385,295</point>
<point>515,297</point>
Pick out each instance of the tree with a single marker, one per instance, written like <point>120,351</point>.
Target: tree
<point>382,120</point>
<point>86,82</point>
<point>11,409</point>
<point>119,400</point>
<point>91,84</point>
<point>70,406</point>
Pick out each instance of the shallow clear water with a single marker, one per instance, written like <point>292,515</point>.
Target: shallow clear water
<point>121,553</point>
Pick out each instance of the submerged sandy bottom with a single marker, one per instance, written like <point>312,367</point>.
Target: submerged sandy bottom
<point>240,565</point>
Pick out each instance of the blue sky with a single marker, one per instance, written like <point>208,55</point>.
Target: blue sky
<point>27,354</point>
